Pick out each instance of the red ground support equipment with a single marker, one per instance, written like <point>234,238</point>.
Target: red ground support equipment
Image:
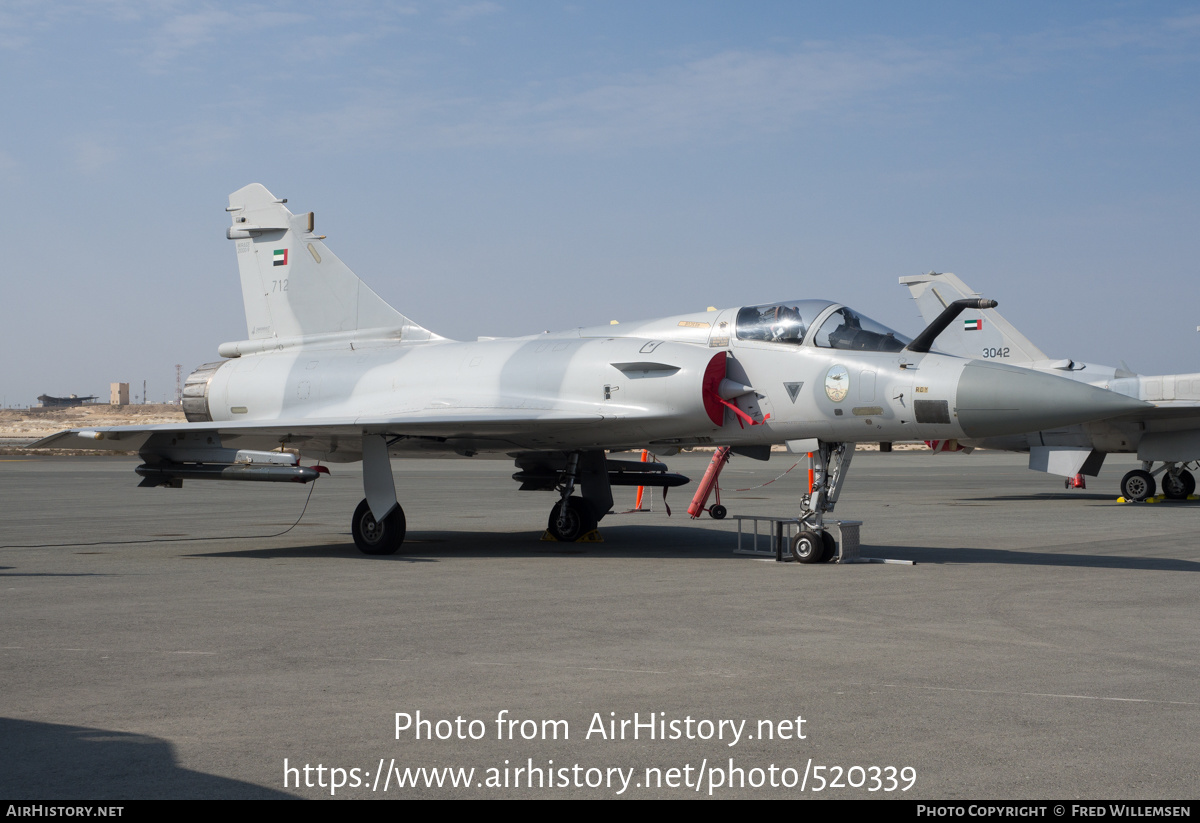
<point>709,482</point>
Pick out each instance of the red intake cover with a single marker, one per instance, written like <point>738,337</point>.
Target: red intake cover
<point>713,375</point>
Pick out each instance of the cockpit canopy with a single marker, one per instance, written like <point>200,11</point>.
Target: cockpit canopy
<point>791,322</point>
<point>847,329</point>
<point>779,322</point>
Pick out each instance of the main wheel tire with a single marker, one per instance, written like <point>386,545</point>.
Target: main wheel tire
<point>808,547</point>
<point>1137,485</point>
<point>718,512</point>
<point>1179,486</point>
<point>830,547</point>
<point>1189,482</point>
<point>580,520</point>
<point>378,537</point>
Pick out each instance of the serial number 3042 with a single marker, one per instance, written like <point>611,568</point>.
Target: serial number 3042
<point>874,778</point>
<point>996,352</point>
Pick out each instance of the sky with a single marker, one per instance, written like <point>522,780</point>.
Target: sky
<point>501,168</point>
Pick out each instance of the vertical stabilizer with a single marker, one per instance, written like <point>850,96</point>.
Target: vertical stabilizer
<point>976,333</point>
<point>293,286</point>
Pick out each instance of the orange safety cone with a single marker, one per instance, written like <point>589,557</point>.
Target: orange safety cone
<point>637,505</point>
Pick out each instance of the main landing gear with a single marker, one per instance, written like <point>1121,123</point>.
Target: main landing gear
<point>378,536</point>
<point>813,544</point>
<point>1177,482</point>
<point>574,518</point>
<point>578,520</point>
<point>378,524</point>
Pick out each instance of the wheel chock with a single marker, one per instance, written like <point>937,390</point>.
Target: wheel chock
<point>1193,497</point>
<point>1158,498</point>
<point>591,537</point>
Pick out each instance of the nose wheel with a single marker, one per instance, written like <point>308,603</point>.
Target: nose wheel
<point>813,547</point>
<point>808,547</point>
<point>378,536</point>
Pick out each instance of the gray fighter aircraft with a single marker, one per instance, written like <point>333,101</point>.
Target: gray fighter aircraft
<point>1167,434</point>
<point>332,372</point>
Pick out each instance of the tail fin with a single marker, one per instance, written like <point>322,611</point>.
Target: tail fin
<point>293,286</point>
<point>978,333</point>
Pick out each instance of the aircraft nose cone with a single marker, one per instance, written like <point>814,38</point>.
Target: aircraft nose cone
<point>994,399</point>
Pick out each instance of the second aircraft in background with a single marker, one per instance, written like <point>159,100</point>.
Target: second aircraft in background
<point>1166,435</point>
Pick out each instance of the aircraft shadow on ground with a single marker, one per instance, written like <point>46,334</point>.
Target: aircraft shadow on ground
<point>678,542</point>
<point>47,761</point>
<point>660,542</point>
<point>619,541</point>
<point>1057,497</point>
<point>50,574</point>
<point>919,554</point>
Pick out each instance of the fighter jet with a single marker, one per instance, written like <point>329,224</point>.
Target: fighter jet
<point>330,372</point>
<point>1167,434</point>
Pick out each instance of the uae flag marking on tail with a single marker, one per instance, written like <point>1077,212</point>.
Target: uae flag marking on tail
<point>968,325</point>
<point>281,257</point>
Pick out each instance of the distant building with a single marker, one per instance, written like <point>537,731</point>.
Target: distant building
<point>118,394</point>
<point>57,402</point>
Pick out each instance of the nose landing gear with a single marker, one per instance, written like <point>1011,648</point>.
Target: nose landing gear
<point>814,544</point>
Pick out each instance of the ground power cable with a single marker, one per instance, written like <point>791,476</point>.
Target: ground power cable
<point>769,482</point>
<point>171,539</point>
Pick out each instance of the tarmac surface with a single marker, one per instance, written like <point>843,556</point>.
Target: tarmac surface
<point>1044,646</point>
